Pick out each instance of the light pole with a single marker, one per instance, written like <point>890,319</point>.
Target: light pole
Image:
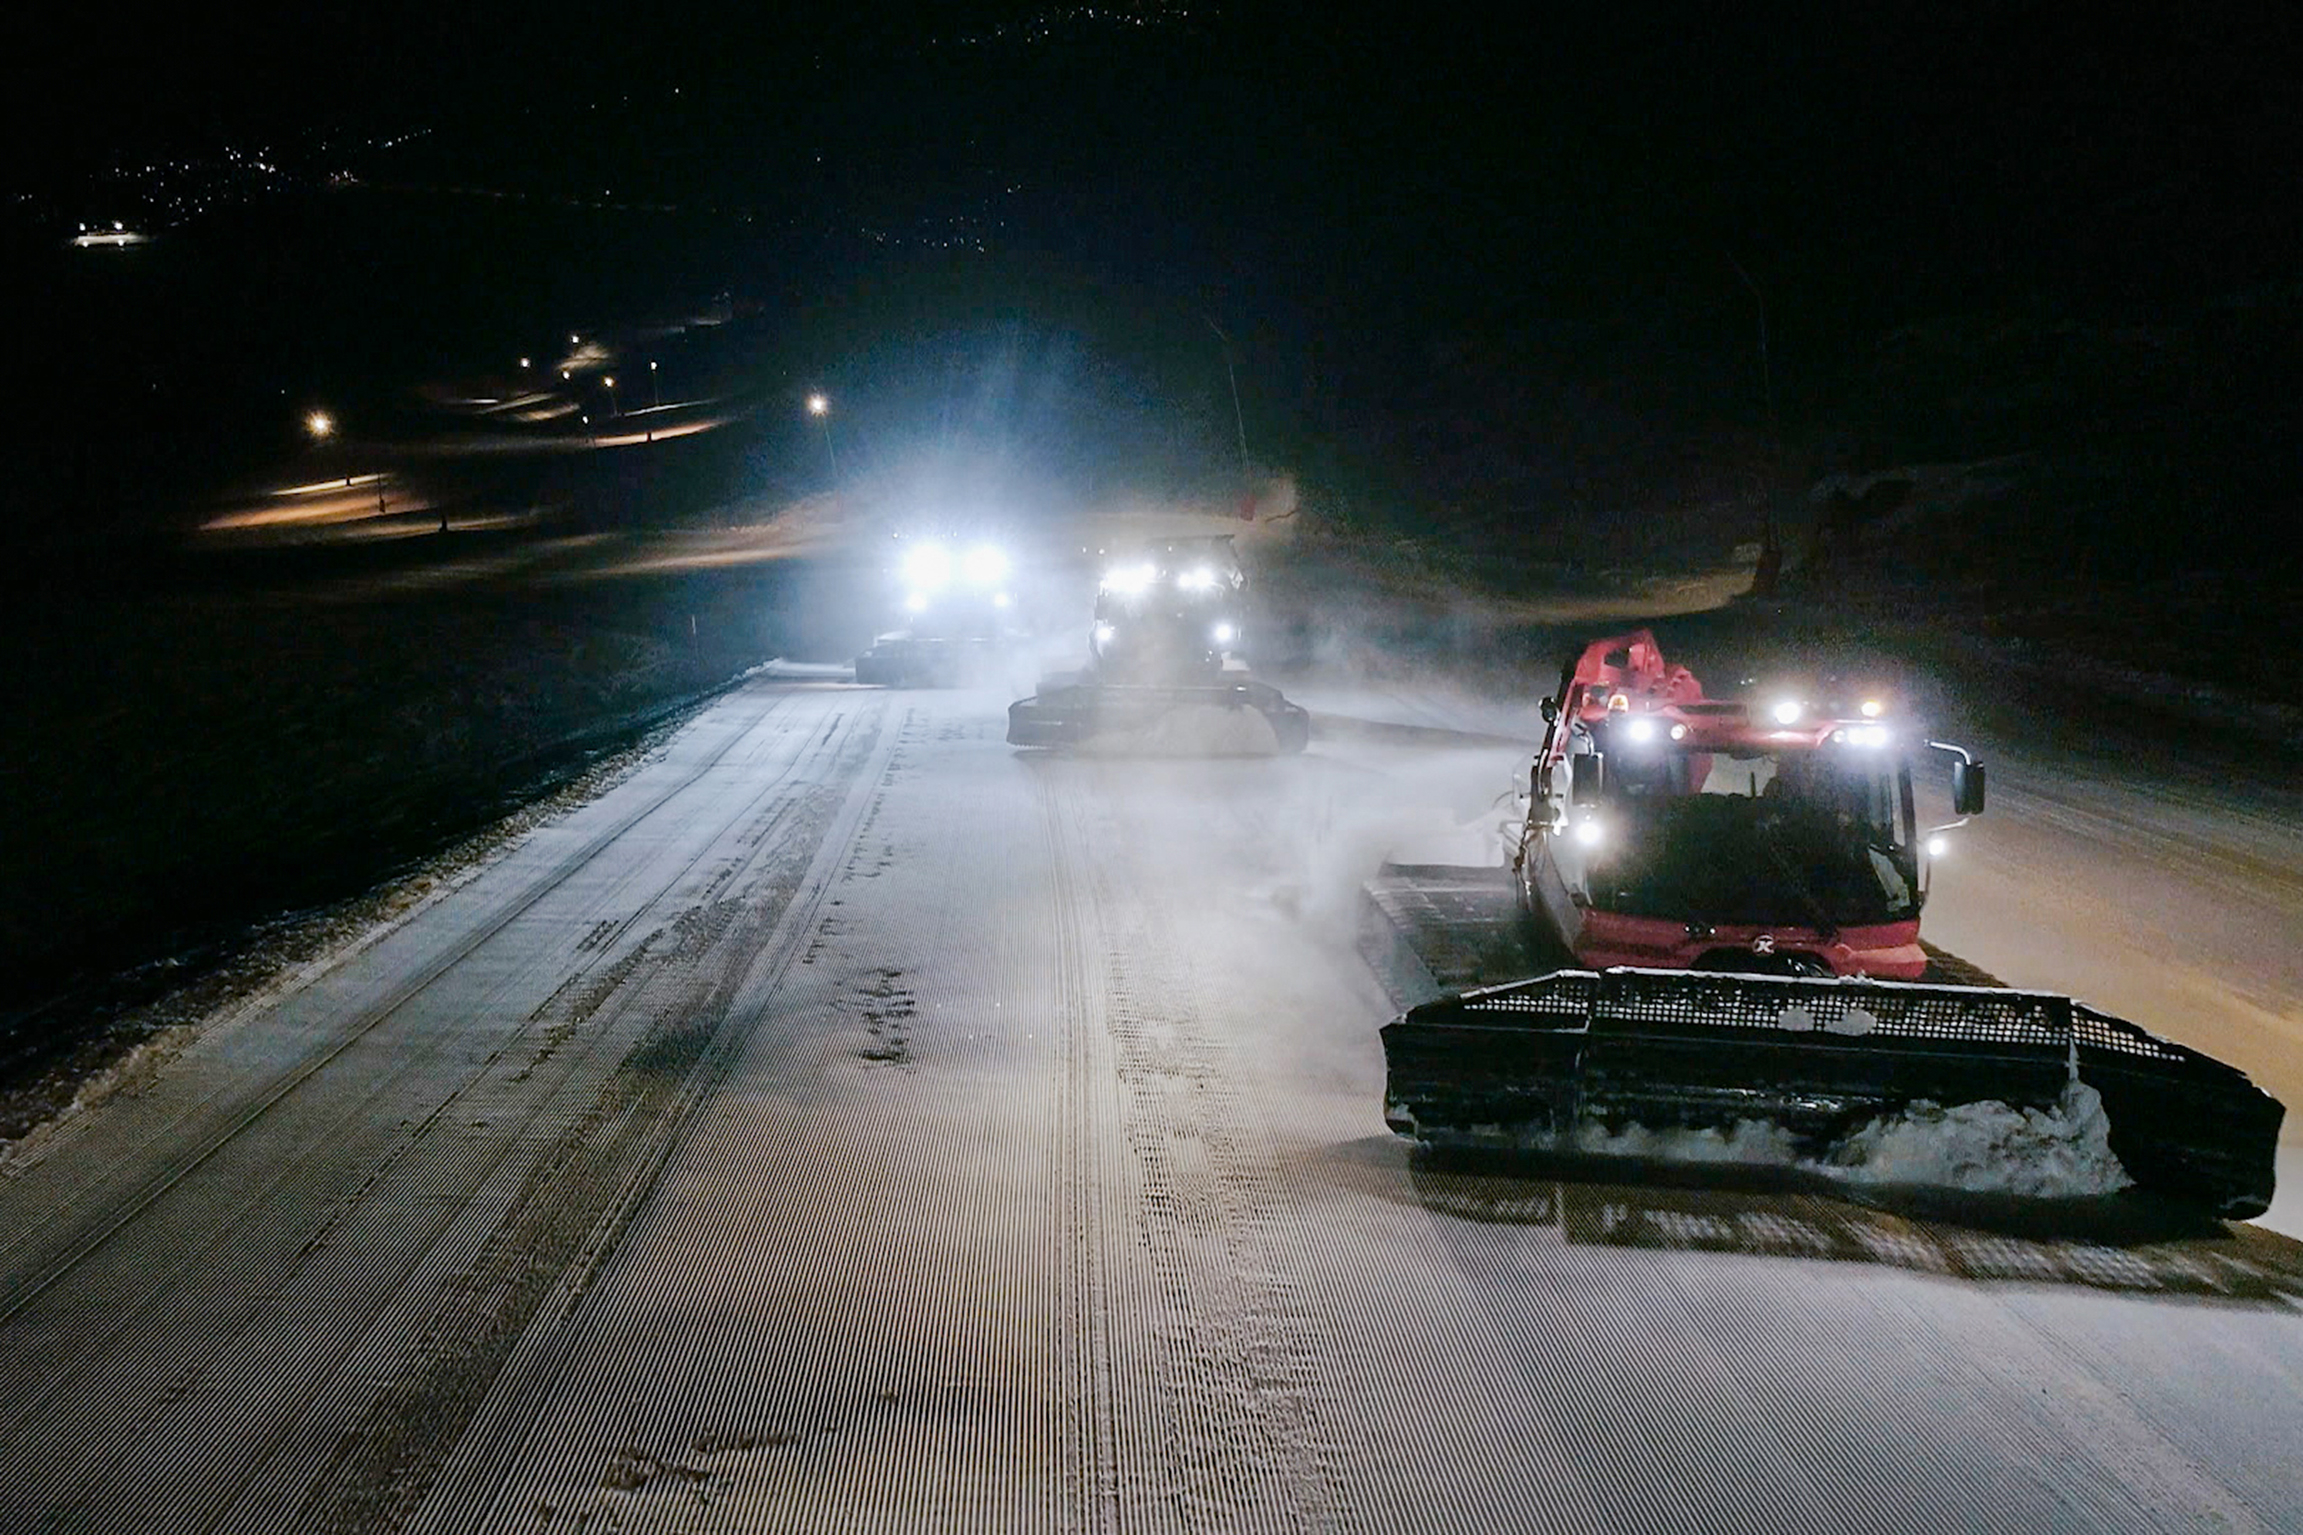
<point>1771,540</point>
<point>1238,420</point>
<point>821,408</point>
<point>655,390</point>
<point>608,381</point>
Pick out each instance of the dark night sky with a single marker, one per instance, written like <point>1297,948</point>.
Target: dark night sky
<point>1584,153</point>
<point>1385,208</point>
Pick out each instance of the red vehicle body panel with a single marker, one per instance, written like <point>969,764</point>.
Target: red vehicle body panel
<point>1888,952</point>
<point>1628,674</point>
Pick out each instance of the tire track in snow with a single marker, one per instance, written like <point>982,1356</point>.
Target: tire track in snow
<point>473,1474</point>
<point>1089,1182</point>
<point>469,1162</point>
<point>25,1291</point>
<point>1233,1383</point>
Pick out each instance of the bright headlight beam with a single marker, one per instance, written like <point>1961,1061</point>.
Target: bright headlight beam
<point>928,567</point>
<point>1225,634</point>
<point>1787,712</point>
<point>1589,833</point>
<point>1639,730</point>
<point>985,565</point>
<point>1198,579</point>
<point>1129,580</point>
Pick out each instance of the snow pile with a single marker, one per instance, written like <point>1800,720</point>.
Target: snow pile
<point>2062,1153</point>
<point>1751,1143</point>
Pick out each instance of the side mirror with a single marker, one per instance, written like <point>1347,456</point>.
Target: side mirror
<point>1549,709</point>
<point>1585,770</point>
<point>1967,783</point>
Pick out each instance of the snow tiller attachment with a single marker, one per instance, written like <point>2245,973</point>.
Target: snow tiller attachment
<point>1218,718</point>
<point>1827,1062</point>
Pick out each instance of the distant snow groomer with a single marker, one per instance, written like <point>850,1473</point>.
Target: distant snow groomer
<point>954,605</point>
<point>1718,903</point>
<point>1165,665</point>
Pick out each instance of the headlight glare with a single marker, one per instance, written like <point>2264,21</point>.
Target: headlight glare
<point>985,565</point>
<point>928,567</point>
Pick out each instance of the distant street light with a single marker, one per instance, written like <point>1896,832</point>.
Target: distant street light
<point>610,383</point>
<point>821,408</point>
<point>523,362</point>
<point>655,390</point>
<point>574,339</point>
<point>320,424</point>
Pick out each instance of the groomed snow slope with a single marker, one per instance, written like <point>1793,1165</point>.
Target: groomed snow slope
<point>849,1122</point>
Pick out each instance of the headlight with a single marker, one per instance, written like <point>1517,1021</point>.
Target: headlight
<point>1873,708</point>
<point>917,602</point>
<point>1861,735</point>
<point>1224,633</point>
<point>1589,833</point>
<point>928,567</point>
<point>999,599</point>
<point>1103,633</point>
<point>985,566</point>
<point>1787,712</point>
<point>1129,580</point>
<point>1938,846</point>
<point>1641,730</point>
<point>1198,579</point>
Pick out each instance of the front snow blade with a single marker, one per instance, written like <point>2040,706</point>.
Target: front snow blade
<point>1192,720</point>
<point>906,662</point>
<point>1535,1062</point>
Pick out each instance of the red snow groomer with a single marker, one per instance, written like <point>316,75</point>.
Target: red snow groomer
<point>1708,914</point>
<point>1773,834</point>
